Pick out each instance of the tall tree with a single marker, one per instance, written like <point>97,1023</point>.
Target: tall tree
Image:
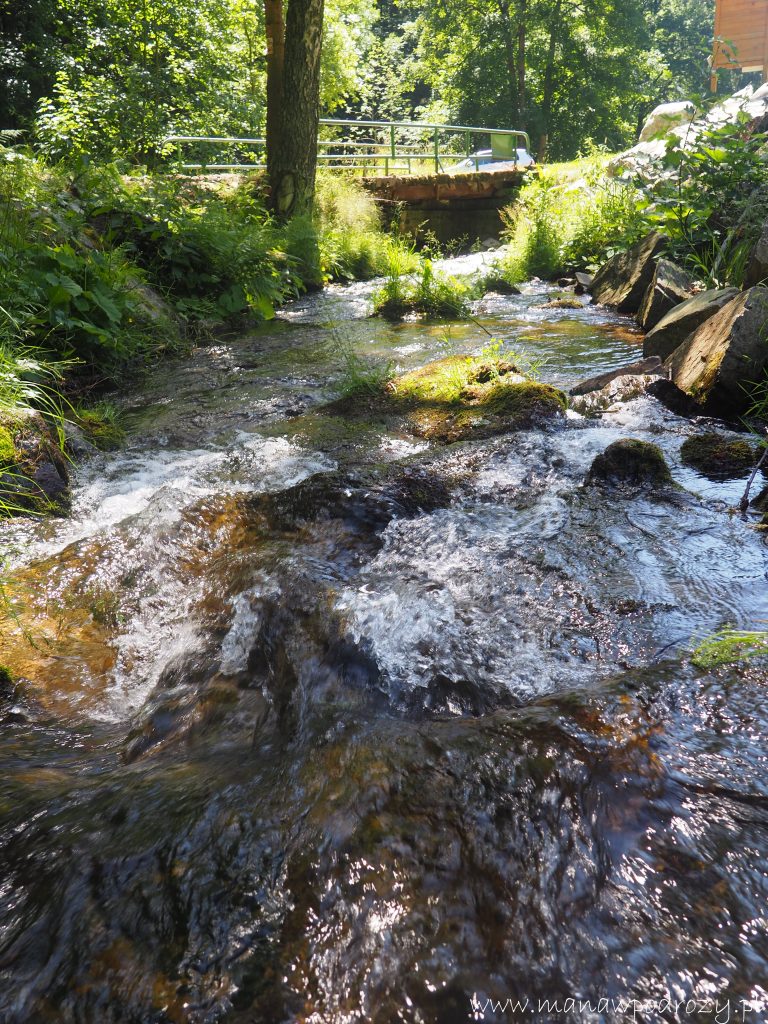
<point>293,102</point>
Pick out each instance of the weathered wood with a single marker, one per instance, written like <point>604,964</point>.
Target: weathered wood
<point>741,35</point>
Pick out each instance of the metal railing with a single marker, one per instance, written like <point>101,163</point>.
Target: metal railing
<point>367,146</point>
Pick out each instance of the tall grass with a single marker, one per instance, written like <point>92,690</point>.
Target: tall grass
<point>560,223</point>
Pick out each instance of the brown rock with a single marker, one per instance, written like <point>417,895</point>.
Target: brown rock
<point>683,320</point>
<point>717,363</point>
<point>670,286</point>
<point>625,278</point>
<point>641,367</point>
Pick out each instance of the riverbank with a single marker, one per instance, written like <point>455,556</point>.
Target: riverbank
<point>104,276</point>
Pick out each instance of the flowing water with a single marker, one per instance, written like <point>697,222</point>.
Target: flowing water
<point>288,747</point>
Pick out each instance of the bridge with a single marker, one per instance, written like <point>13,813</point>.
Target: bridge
<point>409,167</point>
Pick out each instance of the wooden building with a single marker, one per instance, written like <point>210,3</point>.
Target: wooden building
<point>741,36</point>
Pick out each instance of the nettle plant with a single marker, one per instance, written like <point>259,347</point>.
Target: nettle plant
<point>711,198</point>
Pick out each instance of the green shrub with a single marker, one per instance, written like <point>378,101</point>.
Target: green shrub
<point>710,198</point>
<point>428,293</point>
<point>558,226</point>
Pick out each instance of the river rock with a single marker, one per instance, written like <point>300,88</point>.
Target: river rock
<point>623,281</point>
<point>719,361</point>
<point>757,268</point>
<point>652,365</point>
<point>670,286</point>
<point>583,282</point>
<point>719,457</point>
<point>632,462</point>
<point>683,320</point>
<point>617,392</point>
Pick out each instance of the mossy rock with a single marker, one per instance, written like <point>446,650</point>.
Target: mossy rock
<point>33,471</point>
<point>458,398</point>
<point>718,457</point>
<point>9,457</point>
<point>500,285</point>
<point>563,304</point>
<point>630,462</point>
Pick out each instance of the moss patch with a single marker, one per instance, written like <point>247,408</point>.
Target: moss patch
<point>461,397</point>
<point>718,457</point>
<point>34,477</point>
<point>563,304</point>
<point>8,455</point>
<point>632,462</point>
<point>101,425</point>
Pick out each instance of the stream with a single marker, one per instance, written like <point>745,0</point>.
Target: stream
<point>296,742</point>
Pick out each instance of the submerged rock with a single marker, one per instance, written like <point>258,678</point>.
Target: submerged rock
<point>624,280</point>
<point>670,286</point>
<point>728,353</point>
<point>621,389</point>
<point>673,329</point>
<point>719,457</point>
<point>633,462</point>
<point>563,304</point>
<point>500,285</point>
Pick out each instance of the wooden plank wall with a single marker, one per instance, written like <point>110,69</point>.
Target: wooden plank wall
<point>741,35</point>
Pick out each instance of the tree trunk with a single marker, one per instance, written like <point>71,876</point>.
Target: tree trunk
<point>292,145</point>
<point>549,84</point>
<point>512,70</point>
<point>522,27</point>
<point>275,30</point>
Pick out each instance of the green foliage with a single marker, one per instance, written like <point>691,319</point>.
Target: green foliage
<point>730,646</point>
<point>100,422</point>
<point>711,199</point>
<point>559,224</point>
<point>351,242</point>
<point>120,75</point>
<point>428,293</point>
<point>361,377</point>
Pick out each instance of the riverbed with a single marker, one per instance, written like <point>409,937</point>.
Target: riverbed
<point>293,745</point>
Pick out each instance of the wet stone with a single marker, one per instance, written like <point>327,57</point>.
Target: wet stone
<point>632,462</point>
<point>719,457</point>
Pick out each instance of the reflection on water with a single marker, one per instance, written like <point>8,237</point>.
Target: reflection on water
<point>290,743</point>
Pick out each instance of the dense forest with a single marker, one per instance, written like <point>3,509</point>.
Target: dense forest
<point>111,78</point>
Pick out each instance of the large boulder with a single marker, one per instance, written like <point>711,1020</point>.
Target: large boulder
<point>719,361</point>
<point>664,118</point>
<point>683,320</point>
<point>757,268</point>
<point>670,286</point>
<point>626,277</point>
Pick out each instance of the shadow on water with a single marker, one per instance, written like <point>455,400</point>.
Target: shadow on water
<point>314,722</point>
